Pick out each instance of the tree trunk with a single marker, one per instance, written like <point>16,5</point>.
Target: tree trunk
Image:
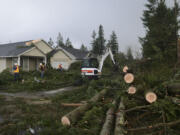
<point>74,115</point>
<point>119,130</point>
<point>107,127</point>
<point>150,96</point>
<point>72,104</point>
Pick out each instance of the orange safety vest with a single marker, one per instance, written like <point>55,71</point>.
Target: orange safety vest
<point>16,70</point>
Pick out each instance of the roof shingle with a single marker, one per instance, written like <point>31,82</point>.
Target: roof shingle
<point>13,49</point>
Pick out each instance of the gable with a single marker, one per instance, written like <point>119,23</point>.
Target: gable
<point>34,52</point>
<point>42,45</point>
<point>60,56</point>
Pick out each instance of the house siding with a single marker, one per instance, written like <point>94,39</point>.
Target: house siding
<point>60,58</point>
<point>2,64</point>
<point>34,52</point>
<point>9,63</point>
<point>43,47</point>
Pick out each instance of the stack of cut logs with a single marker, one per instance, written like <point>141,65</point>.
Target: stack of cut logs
<point>150,96</point>
<point>73,116</point>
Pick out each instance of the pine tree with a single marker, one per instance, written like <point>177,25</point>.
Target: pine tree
<point>94,43</point>
<point>68,43</point>
<point>113,43</point>
<point>159,22</point>
<point>60,40</point>
<point>129,54</point>
<point>50,42</point>
<point>83,48</point>
<point>100,41</point>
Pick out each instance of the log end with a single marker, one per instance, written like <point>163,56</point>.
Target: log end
<point>125,69</point>
<point>129,78</point>
<point>65,121</point>
<point>131,90</point>
<point>151,97</point>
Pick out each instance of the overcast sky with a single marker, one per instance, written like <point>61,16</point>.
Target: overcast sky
<point>22,20</point>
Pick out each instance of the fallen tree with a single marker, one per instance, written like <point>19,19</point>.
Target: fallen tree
<point>137,108</point>
<point>107,127</point>
<point>155,126</point>
<point>119,130</point>
<point>72,104</point>
<point>73,116</point>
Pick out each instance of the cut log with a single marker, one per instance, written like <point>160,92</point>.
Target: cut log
<point>150,96</point>
<point>74,115</point>
<point>108,125</point>
<point>71,104</point>
<point>155,126</point>
<point>137,108</point>
<point>129,78</point>
<point>120,121</point>
<point>131,90</point>
<point>176,100</point>
<point>125,69</point>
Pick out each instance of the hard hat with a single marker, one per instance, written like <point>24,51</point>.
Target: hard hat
<point>15,64</point>
<point>40,64</point>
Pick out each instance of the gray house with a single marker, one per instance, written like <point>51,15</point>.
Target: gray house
<point>27,54</point>
<point>66,56</point>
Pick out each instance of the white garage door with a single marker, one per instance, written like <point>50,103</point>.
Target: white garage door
<point>2,64</point>
<point>65,65</point>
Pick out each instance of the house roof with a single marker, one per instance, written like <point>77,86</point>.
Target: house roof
<point>14,49</point>
<point>77,53</point>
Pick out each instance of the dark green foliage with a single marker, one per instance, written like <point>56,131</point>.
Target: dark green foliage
<point>60,41</point>
<point>50,42</point>
<point>129,55</point>
<point>68,43</point>
<point>83,48</point>
<point>160,23</point>
<point>113,43</point>
<point>6,77</point>
<point>53,79</point>
<point>98,43</point>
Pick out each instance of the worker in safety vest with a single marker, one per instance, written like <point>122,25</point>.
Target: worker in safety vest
<point>16,71</point>
<point>60,67</point>
<point>42,69</point>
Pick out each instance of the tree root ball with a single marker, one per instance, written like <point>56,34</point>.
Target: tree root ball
<point>129,78</point>
<point>131,90</point>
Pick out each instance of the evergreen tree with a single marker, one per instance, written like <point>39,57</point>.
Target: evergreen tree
<point>83,48</point>
<point>113,43</point>
<point>60,40</point>
<point>50,42</point>
<point>159,22</point>
<point>100,41</point>
<point>68,43</point>
<point>94,43</point>
<point>129,54</point>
